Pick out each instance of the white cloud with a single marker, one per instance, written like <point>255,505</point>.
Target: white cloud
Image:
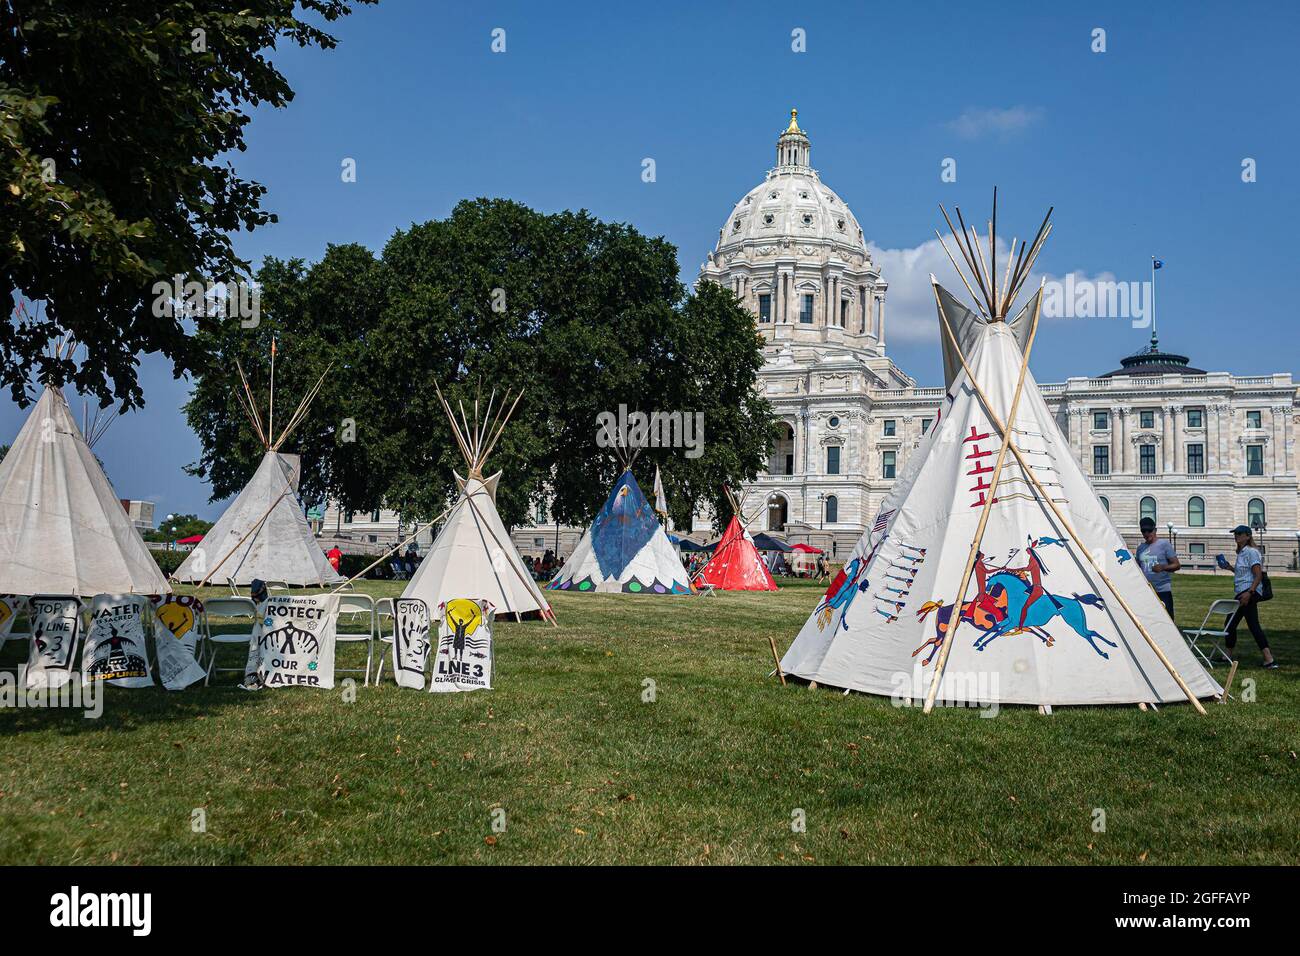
<point>909,305</point>
<point>975,122</point>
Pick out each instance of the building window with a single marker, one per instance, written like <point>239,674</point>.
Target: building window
<point>1100,421</point>
<point>1196,418</point>
<point>539,516</point>
<point>1255,419</point>
<point>887,460</point>
<point>891,428</point>
<point>1147,459</point>
<point>805,310</point>
<point>1147,508</point>
<point>833,460</point>
<point>1196,550</point>
<point>832,509</point>
<point>1105,503</point>
<point>925,425</point>
<point>765,307</point>
<point>374,516</point>
<point>347,516</point>
<point>539,542</point>
<point>844,313</point>
<point>1196,459</point>
<point>1196,512</point>
<point>1146,418</point>
<point>1255,513</point>
<point>1101,459</point>
<point>1254,459</point>
<point>834,421</point>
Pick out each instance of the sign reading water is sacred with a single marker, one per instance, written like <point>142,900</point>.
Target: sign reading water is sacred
<point>292,645</point>
<point>410,641</point>
<point>115,649</point>
<point>464,658</point>
<point>55,633</point>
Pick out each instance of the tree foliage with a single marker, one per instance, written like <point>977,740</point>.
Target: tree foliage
<point>588,316</point>
<point>115,120</point>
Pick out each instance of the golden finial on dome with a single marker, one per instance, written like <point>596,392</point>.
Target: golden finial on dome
<point>794,122</point>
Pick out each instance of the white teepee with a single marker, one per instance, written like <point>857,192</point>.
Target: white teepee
<point>62,528</point>
<point>473,556</point>
<point>1053,609</point>
<point>264,534</point>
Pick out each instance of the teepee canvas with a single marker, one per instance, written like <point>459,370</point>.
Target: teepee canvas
<point>473,556</point>
<point>264,534</point>
<point>62,528</point>
<point>992,573</point>
<point>736,564</point>
<point>625,549</point>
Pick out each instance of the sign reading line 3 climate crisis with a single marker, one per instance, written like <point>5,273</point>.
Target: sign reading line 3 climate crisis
<point>55,632</point>
<point>293,643</point>
<point>464,658</point>
<point>115,649</point>
<point>176,638</point>
<point>410,641</point>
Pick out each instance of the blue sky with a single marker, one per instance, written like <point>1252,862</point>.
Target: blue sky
<point>1139,149</point>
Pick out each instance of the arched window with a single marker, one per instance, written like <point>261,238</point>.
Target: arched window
<point>1255,512</point>
<point>1105,503</point>
<point>832,509</point>
<point>778,511</point>
<point>1196,512</point>
<point>1147,509</point>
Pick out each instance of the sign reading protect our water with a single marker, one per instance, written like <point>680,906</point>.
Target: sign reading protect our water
<point>464,658</point>
<point>293,643</point>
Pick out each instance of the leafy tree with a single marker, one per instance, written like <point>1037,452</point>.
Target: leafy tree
<point>178,527</point>
<point>585,316</point>
<point>114,118</point>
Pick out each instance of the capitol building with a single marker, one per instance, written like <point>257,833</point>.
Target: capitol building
<point>1199,451</point>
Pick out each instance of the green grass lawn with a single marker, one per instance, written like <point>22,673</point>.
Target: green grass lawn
<point>710,772</point>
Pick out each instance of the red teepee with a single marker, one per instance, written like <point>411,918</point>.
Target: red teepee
<point>736,564</point>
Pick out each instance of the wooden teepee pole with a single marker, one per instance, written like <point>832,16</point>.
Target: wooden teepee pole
<point>955,620</point>
<point>1064,523</point>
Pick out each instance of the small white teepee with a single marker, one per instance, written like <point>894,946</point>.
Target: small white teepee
<point>473,556</point>
<point>264,534</point>
<point>62,528</point>
<point>1052,608</point>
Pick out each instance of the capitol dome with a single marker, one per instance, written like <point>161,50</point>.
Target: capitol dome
<point>792,203</point>
<point>794,253</point>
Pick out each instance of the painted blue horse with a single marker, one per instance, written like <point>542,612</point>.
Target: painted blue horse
<point>1048,606</point>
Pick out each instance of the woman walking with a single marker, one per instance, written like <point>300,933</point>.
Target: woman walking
<point>1247,582</point>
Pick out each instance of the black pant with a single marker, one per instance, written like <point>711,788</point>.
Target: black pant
<point>1167,599</point>
<point>1251,613</point>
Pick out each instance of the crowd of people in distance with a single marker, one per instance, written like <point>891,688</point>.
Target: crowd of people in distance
<point>543,568</point>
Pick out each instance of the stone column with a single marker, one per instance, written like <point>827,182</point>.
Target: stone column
<point>1117,434</point>
<point>1278,438</point>
<point>1174,413</point>
<point>1223,415</point>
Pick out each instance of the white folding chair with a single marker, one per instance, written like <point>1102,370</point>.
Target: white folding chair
<point>1208,634</point>
<point>357,605</point>
<point>236,607</point>
<point>384,610</point>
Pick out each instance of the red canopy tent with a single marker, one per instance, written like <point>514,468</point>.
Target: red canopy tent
<point>192,539</point>
<point>808,549</point>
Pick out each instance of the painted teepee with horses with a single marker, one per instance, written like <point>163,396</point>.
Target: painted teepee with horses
<point>992,573</point>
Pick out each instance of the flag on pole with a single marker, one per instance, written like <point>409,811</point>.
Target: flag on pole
<point>1157,263</point>
<point>661,500</point>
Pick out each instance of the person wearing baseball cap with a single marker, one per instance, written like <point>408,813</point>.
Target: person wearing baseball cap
<point>1247,584</point>
<point>1158,560</point>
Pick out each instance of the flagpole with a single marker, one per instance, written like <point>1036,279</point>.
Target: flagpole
<point>1153,300</point>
